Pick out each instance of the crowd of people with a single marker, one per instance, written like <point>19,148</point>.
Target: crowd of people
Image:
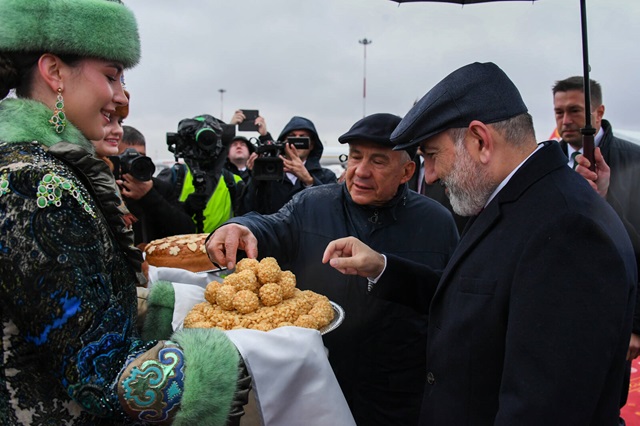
<point>487,277</point>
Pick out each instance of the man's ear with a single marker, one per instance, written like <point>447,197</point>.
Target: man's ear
<point>50,69</point>
<point>480,142</point>
<point>409,170</point>
<point>599,113</point>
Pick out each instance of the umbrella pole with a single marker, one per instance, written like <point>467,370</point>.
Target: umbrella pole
<point>587,131</point>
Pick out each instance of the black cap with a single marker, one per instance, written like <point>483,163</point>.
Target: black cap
<point>376,128</point>
<point>474,92</point>
<point>246,141</point>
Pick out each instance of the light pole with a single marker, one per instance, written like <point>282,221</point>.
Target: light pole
<point>221,102</point>
<point>364,42</point>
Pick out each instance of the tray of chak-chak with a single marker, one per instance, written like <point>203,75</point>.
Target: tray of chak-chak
<point>257,295</point>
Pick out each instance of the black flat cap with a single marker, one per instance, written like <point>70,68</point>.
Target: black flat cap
<point>474,92</point>
<point>375,128</point>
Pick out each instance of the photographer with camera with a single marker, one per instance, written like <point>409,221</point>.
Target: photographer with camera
<point>147,197</point>
<point>207,192</point>
<point>282,168</point>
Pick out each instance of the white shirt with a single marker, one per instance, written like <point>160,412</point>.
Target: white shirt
<point>420,176</point>
<point>293,178</point>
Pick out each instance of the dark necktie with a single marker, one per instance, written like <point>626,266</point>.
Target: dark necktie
<point>573,157</point>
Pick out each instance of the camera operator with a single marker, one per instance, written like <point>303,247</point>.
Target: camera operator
<point>148,199</point>
<point>207,192</point>
<point>300,167</point>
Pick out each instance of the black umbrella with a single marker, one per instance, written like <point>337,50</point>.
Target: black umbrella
<point>588,131</point>
<point>456,1</point>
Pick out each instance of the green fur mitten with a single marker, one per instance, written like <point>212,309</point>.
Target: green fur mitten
<point>211,377</point>
<point>160,303</point>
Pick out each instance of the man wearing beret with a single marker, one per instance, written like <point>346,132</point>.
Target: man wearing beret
<point>516,337</point>
<point>378,352</point>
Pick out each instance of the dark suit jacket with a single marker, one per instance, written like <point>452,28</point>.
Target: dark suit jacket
<point>531,319</point>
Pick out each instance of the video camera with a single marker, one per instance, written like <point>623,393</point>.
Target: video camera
<point>268,165</point>
<point>201,139</point>
<point>203,142</point>
<point>131,161</point>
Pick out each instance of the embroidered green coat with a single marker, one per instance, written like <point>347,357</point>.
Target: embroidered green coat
<point>68,272</point>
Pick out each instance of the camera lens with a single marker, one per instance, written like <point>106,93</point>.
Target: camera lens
<point>142,168</point>
<point>206,138</point>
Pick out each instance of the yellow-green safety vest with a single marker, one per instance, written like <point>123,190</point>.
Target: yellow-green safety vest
<point>219,208</point>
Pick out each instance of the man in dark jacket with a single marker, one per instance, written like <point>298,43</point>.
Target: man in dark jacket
<point>530,321</point>
<point>378,353</point>
<point>301,168</point>
<point>621,156</point>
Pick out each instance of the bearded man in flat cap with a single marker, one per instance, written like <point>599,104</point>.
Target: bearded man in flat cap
<point>516,337</point>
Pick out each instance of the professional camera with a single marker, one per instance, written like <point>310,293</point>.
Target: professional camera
<point>131,161</point>
<point>268,165</point>
<point>203,142</point>
<point>202,138</point>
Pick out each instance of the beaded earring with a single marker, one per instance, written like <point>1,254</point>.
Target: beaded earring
<point>58,120</point>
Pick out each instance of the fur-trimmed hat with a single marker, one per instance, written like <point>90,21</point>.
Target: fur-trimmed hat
<point>103,29</point>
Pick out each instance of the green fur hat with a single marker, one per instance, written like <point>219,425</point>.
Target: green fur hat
<point>103,29</point>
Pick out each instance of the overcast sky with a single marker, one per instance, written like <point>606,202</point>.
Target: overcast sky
<point>303,57</point>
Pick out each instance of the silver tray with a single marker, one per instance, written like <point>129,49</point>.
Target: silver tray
<point>337,319</point>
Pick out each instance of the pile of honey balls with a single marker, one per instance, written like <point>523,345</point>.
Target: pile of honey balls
<point>259,296</point>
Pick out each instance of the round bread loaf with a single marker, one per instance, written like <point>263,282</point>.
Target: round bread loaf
<point>179,251</point>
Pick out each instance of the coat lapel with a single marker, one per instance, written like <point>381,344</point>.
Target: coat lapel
<point>565,149</point>
<point>474,232</point>
<point>547,159</point>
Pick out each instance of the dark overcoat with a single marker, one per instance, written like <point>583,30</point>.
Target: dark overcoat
<point>530,322</point>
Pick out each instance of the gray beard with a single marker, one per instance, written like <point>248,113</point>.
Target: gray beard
<point>469,186</point>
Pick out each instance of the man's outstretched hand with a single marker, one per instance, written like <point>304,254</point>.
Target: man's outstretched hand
<point>223,244</point>
<point>353,257</point>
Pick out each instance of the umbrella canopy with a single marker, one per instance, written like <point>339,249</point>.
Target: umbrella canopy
<point>588,131</point>
<point>457,1</point>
